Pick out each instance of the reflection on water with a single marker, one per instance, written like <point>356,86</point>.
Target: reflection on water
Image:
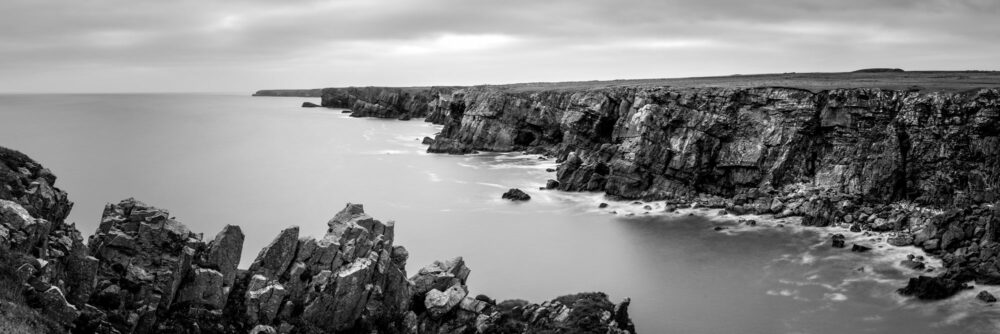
<point>264,163</point>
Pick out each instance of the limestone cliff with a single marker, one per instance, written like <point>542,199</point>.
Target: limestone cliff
<point>145,272</point>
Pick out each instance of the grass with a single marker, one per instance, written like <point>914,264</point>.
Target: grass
<point>15,316</point>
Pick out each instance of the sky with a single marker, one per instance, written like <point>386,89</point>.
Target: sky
<point>245,45</point>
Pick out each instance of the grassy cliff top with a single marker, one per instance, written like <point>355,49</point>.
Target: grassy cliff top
<point>946,81</point>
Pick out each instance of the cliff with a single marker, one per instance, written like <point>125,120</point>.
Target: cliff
<point>144,272</point>
<point>383,102</point>
<point>289,92</point>
<point>923,166</point>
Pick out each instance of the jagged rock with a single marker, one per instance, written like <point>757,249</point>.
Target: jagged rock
<point>274,259</point>
<point>515,194</point>
<point>204,287</point>
<point>223,254</point>
<point>310,105</point>
<point>264,299</point>
<point>987,297</point>
<point>440,275</point>
<point>427,141</point>
<point>438,303</point>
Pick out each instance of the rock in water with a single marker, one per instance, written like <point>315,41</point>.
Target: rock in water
<point>515,194</point>
<point>986,296</point>
<point>931,288</point>
<point>838,241</point>
<point>310,105</point>
<point>427,141</point>
<point>551,184</point>
<point>860,248</point>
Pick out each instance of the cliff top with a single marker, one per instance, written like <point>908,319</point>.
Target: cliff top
<point>947,81</point>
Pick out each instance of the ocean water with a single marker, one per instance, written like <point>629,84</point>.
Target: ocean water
<point>265,164</point>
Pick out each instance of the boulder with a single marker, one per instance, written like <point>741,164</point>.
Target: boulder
<point>931,288</point>
<point>515,194</point>
<point>986,296</point>
<point>838,240</point>
<point>860,248</point>
<point>551,184</point>
<point>427,141</point>
<point>310,105</point>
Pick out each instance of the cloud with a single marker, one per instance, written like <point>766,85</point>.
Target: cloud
<point>242,45</point>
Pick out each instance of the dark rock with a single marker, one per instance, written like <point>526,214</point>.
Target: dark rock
<point>838,241</point>
<point>602,205</point>
<point>550,170</point>
<point>855,228</point>
<point>860,248</point>
<point>987,297</point>
<point>931,288</point>
<point>427,141</point>
<point>404,117</point>
<point>515,194</point>
<point>310,105</point>
<point>346,111</point>
<point>915,265</point>
<point>551,184</point>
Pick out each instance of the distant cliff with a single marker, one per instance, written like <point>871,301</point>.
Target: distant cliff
<point>289,92</point>
<point>144,272</point>
<point>402,103</point>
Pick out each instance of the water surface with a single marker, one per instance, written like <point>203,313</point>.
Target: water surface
<point>265,164</point>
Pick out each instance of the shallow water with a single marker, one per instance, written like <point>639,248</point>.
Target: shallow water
<point>264,164</point>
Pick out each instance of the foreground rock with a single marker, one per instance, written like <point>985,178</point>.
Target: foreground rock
<point>145,272</point>
<point>516,195</point>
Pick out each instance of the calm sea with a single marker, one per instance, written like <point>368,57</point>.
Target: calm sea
<point>265,164</point>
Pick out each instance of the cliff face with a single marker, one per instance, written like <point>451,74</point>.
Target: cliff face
<point>144,272</point>
<point>924,166</point>
<point>380,102</point>
<point>655,143</point>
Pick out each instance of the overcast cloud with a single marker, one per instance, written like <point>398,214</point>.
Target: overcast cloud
<point>241,46</point>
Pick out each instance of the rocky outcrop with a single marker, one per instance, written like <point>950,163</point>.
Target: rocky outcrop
<point>51,260</point>
<point>398,103</point>
<point>145,272</point>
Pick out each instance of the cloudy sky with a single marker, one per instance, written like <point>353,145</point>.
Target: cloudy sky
<point>244,45</point>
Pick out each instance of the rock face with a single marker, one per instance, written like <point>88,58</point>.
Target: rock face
<point>398,103</point>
